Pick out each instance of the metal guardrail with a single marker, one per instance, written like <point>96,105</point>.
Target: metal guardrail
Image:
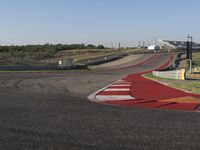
<point>105,59</point>
<point>25,68</point>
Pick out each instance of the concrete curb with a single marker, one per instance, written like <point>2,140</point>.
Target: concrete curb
<point>93,98</point>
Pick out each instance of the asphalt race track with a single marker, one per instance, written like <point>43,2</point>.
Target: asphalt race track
<point>47,111</point>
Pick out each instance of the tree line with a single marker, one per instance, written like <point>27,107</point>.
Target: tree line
<point>43,50</point>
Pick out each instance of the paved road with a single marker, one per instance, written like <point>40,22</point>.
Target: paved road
<point>51,111</point>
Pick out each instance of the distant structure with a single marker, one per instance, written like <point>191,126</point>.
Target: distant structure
<point>153,47</point>
<point>165,44</point>
<point>141,44</point>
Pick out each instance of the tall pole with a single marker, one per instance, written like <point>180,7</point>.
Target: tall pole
<point>12,50</point>
<point>190,52</point>
<point>169,56</point>
<point>119,46</point>
<point>191,48</point>
<point>191,57</point>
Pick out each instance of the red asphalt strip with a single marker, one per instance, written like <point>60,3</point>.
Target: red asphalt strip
<point>143,88</point>
<point>137,102</point>
<point>149,93</point>
<point>154,105</point>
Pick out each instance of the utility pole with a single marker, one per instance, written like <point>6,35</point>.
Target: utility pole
<point>169,56</point>
<point>12,47</point>
<point>119,46</point>
<point>111,45</point>
<point>143,44</point>
<point>189,51</point>
<point>155,41</point>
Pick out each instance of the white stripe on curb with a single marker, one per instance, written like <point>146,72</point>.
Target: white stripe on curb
<point>95,97</point>
<point>120,85</point>
<point>112,89</point>
<point>114,97</point>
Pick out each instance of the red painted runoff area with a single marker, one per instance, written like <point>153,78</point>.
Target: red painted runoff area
<point>135,90</point>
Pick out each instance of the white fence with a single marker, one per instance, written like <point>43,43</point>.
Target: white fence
<point>175,74</point>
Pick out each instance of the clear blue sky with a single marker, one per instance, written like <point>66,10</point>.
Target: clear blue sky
<point>97,21</point>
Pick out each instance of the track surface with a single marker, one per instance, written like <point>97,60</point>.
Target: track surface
<point>51,111</point>
<point>135,90</point>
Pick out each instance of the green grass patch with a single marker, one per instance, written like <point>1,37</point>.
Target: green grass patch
<point>193,87</point>
<point>187,85</point>
<point>196,59</point>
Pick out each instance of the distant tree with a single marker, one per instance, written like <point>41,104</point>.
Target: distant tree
<point>90,46</point>
<point>39,51</point>
<point>100,47</point>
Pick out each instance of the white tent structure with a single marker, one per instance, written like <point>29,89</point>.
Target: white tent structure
<point>153,47</point>
<point>178,44</point>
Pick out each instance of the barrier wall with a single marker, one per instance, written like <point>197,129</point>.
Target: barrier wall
<point>175,74</point>
<point>105,59</point>
<point>43,67</point>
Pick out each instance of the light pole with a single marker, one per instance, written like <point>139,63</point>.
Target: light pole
<point>169,57</point>
<point>190,52</point>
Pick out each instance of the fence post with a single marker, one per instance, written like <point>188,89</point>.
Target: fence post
<point>182,74</point>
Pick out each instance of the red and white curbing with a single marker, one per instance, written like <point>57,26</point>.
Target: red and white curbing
<point>117,91</point>
<point>114,91</point>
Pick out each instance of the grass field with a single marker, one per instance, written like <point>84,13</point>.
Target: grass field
<point>187,85</point>
<point>77,55</point>
<point>196,59</point>
<point>83,55</point>
<point>195,64</point>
